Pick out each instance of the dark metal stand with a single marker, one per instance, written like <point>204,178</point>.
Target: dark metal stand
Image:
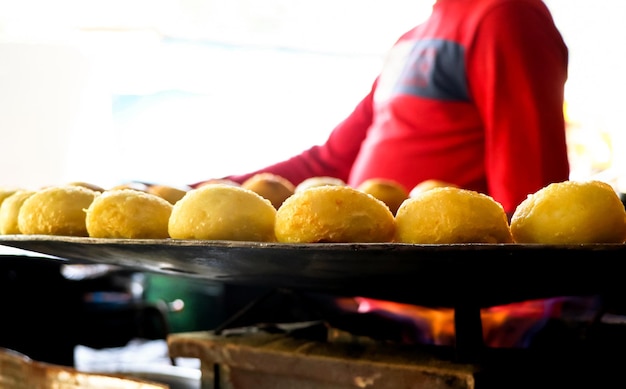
<point>469,333</point>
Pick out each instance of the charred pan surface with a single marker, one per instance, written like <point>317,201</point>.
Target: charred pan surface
<point>479,275</point>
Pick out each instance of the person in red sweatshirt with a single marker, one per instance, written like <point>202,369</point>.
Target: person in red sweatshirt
<point>474,96</point>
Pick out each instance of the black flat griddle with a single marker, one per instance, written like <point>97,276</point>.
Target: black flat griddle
<point>479,275</point>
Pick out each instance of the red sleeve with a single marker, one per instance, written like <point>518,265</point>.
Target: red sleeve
<point>334,158</point>
<point>518,67</point>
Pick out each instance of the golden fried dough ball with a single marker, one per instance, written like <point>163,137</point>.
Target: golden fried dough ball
<point>447,215</point>
<point>223,212</point>
<point>4,193</point>
<point>224,181</point>
<point>334,214</point>
<point>128,214</point>
<point>570,212</point>
<point>10,209</point>
<point>389,192</point>
<point>56,210</point>
<point>169,193</point>
<point>430,184</point>
<point>312,182</point>
<point>132,185</point>
<point>271,186</point>
<point>88,185</point>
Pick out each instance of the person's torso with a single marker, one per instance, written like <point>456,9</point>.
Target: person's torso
<point>425,125</point>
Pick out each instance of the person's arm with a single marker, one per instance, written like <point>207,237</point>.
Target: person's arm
<point>334,158</point>
<point>517,69</point>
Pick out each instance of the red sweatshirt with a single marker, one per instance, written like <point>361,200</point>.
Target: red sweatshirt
<point>473,96</point>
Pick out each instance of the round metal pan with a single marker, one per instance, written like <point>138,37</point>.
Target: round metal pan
<point>432,275</point>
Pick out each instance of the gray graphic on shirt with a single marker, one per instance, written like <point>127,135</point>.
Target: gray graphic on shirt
<point>432,69</point>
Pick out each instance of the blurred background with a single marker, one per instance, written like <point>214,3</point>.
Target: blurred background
<point>177,91</point>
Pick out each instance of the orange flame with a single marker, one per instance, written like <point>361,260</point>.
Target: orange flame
<point>504,326</point>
